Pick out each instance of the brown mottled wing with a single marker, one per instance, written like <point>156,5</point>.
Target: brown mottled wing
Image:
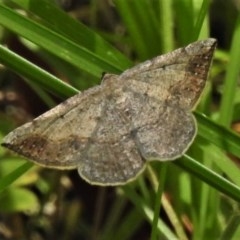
<point>88,132</point>
<point>107,130</point>
<point>166,89</point>
<point>112,156</point>
<point>177,77</point>
<point>57,137</point>
<point>161,131</point>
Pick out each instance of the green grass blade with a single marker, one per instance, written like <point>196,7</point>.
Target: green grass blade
<point>166,24</point>
<point>74,30</point>
<point>231,79</point>
<point>209,177</point>
<point>14,175</point>
<point>146,210</point>
<point>55,43</point>
<point>36,74</point>
<point>142,24</point>
<point>218,135</point>
<point>158,201</point>
<point>201,16</point>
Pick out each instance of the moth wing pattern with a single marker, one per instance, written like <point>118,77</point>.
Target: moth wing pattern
<point>108,132</point>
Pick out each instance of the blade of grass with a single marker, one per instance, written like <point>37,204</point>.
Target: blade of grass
<point>200,19</point>
<point>146,210</point>
<point>158,197</point>
<point>219,158</point>
<point>36,74</point>
<point>74,30</point>
<point>231,79</point>
<point>209,177</point>
<point>185,22</point>
<point>126,228</point>
<point>218,135</point>
<point>166,24</point>
<point>158,184</point>
<point>55,43</point>
<point>141,21</point>
<point>14,175</point>
<point>231,228</point>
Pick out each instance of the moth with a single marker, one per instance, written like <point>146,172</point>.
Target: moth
<point>110,131</point>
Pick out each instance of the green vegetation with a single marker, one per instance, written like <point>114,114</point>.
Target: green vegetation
<point>200,192</point>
